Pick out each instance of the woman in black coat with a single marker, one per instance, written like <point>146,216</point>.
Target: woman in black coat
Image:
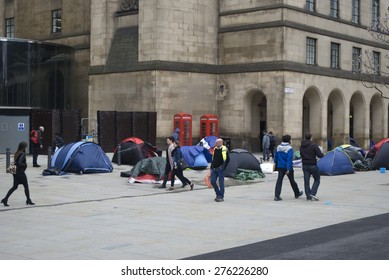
<point>20,176</point>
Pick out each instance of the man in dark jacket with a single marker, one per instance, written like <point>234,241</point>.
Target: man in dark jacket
<point>309,151</point>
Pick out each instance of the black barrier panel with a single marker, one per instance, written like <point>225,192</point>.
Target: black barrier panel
<point>106,130</point>
<point>114,127</point>
<point>65,122</point>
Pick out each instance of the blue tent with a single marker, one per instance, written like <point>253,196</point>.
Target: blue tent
<point>335,162</point>
<point>197,157</point>
<point>208,142</point>
<point>81,157</point>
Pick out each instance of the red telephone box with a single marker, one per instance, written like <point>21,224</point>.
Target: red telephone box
<point>209,125</point>
<point>183,121</point>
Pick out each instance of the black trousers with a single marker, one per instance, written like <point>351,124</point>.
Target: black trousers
<point>180,174</point>
<point>35,152</point>
<point>19,179</point>
<point>166,175</point>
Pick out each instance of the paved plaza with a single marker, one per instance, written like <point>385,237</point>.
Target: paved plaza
<point>103,217</point>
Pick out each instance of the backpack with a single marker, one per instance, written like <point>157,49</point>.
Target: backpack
<point>34,136</point>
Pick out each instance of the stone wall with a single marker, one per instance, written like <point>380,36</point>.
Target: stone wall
<point>178,30</point>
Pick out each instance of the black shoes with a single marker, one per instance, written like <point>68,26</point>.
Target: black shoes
<point>219,199</point>
<point>277,198</point>
<point>162,187</point>
<point>300,194</point>
<point>29,202</point>
<point>191,186</point>
<point>36,165</point>
<point>4,202</point>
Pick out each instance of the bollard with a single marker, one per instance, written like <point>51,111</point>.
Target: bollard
<point>119,155</point>
<point>7,157</point>
<point>49,151</point>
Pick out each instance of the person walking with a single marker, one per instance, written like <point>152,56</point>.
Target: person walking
<point>58,141</point>
<point>20,176</point>
<point>220,160</point>
<point>177,170</point>
<point>309,151</point>
<point>265,146</point>
<point>169,161</point>
<point>272,141</point>
<point>36,141</point>
<point>283,161</point>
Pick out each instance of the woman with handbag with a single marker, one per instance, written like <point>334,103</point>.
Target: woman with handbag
<point>178,169</point>
<point>20,176</point>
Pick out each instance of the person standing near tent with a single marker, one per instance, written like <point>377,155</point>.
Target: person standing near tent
<point>220,160</point>
<point>58,141</point>
<point>176,135</point>
<point>272,141</point>
<point>309,151</point>
<point>169,161</point>
<point>177,170</point>
<point>266,146</point>
<point>20,176</point>
<point>283,161</point>
<point>36,141</point>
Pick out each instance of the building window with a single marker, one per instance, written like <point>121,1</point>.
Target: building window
<point>310,5</point>
<point>10,27</point>
<point>375,14</point>
<point>56,18</point>
<point>356,11</point>
<point>335,56</point>
<point>311,51</point>
<point>334,8</point>
<point>376,62</point>
<point>356,67</point>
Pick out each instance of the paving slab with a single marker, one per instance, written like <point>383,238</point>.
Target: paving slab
<point>103,217</point>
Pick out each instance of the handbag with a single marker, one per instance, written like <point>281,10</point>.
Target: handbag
<point>12,168</point>
<point>182,164</point>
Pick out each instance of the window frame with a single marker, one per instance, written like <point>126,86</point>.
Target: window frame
<point>334,8</point>
<point>356,11</point>
<point>375,13</point>
<point>311,51</point>
<point>376,56</point>
<point>356,60</point>
<point>56,21</point>
<point>10,27</point>
<point>310,5</point>
<point>335,56</point>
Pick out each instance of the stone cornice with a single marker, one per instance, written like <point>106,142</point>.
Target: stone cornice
<point>274,66</point>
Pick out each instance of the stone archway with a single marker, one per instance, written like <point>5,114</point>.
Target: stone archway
<point>312,114</point>
<point>254,119</point>
<point>335,119</point>
<point>357,118</point>
<point>376,132</point>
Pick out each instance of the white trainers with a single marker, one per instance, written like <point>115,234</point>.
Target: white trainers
<point>314,197</point>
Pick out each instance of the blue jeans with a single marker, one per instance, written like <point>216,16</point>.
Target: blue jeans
<point>218,173</point>
<point>281,175</point>
<point>309,170</point>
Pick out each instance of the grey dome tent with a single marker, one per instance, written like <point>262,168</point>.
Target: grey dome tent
<point>243,160</point>
<point>381,159</point>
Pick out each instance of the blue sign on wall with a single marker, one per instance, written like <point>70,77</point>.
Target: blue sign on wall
<point>21,126</point>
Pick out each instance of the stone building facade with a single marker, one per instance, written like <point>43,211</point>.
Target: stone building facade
<point>280,65</point>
